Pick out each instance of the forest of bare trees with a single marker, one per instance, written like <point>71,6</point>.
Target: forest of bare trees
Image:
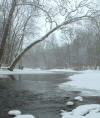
<point>83,52</point>
<point>77,21</point>
<point>80,50</point>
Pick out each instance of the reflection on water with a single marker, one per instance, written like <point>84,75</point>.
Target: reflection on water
<point>35,94</point>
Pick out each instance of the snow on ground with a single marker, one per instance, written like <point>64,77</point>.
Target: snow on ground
<point>18,114</point>
<point>63,70</point>
<point>83,111</point>
<point>24,71</point>
<point>14,112</point>
<point>70,103</point>
<point>87,82</point>
<point>32,71</point>
<point>78,98</point>
<point>24,116</point>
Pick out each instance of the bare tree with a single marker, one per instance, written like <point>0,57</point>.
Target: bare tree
<point>71,14</point>
<point>69,18</point>
<point>6,28</point>
<point>41,39</point>
<point>12,45</point>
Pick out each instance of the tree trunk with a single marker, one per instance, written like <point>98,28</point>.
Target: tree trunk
<point>41,39</point>
<point>6,29</point>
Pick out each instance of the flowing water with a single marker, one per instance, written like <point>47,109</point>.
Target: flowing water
<point>35,94</point>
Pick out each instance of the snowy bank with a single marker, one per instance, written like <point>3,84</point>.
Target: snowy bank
<point>33,71</point>
<point>83,111</point>
<point>63,70</point>
<point>85,81</point>
<point>24,116</point>
<point>24,71</point>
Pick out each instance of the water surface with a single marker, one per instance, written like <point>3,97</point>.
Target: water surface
<point>36,94</point>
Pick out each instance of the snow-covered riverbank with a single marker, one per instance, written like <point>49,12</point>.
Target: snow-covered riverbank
<point>83,111</point>
<point>87,81</point>
<point>33,71</point>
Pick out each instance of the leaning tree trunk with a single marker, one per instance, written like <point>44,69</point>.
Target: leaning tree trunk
<point>6,29</point>
<point>17,59</point>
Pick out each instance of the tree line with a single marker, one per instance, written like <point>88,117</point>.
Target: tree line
<point>18,22</point>
<point>80,50</point>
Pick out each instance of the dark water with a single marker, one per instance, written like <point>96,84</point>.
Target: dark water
<point>35,94</point>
